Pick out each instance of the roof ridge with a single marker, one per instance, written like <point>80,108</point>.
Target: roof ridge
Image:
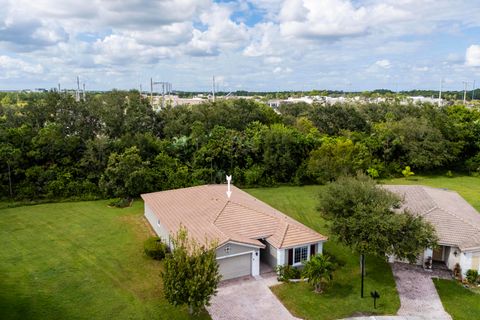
<point>220,212</point>
<point>284,233</point>
<point>429,197</point>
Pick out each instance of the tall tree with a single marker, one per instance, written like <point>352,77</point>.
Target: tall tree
<point>362,217</point>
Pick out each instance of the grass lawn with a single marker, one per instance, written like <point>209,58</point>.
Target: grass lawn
<point>342,299</point>
<point>468,187</point>
<point>461,303</point>
<point>79,260</point>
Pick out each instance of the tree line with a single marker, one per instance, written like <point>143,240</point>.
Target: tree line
<point>115,144</point>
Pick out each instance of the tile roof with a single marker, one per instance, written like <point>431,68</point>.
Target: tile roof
<point>457,223</point>
<point>209,215</point>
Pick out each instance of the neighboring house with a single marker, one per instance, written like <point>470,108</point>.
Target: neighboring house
<point>457,224</point>
<point>249,232</point>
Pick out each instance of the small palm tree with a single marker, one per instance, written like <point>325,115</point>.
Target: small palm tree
<point>319,271</point>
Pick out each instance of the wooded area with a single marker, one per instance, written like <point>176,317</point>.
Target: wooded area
<point>115,145</point>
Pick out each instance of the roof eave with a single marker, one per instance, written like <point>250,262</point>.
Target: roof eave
<point>303,244</point>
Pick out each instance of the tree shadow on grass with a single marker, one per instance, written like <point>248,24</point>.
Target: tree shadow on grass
<point>23,305</point>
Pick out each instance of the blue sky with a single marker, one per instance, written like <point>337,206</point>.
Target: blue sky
<point>264,45</point>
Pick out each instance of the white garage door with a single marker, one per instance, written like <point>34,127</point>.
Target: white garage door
<point>235,267</point>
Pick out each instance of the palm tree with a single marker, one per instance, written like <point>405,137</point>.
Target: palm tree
<point>319,271</point>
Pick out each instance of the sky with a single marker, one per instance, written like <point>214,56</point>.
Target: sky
<point>255,45</point>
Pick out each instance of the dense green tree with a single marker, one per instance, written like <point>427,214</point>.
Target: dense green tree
<point>361,216</point>
<point>284,149</point>
<point>126,175</point>
<point>338,157</point>
<point>333,119</point>
<point>412,141</point>
<point>190,275</point>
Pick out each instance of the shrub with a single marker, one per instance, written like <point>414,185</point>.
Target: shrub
<point>285,273</point>
<point>472,276</point>
<point>120,202</point>
<point>407,172</point>
<point>155,248</point>
<point>457,271</point>
<point>319,271</point>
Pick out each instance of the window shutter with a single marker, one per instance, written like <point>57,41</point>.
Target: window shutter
<point>290,257</point>
<point>312,250</point>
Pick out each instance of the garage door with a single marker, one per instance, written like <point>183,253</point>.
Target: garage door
<point>235,267</point>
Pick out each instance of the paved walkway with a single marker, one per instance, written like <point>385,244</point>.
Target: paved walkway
<point>418,295</point>
<point>248,298</point>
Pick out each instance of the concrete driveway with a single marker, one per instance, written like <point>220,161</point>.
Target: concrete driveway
<point>418,295</point>
<point>246,299</point>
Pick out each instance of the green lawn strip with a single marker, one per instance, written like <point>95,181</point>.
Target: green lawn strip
<point>342,299</point>
<point>79,260</point>
<point>461,303</point>
<point>467,186</point>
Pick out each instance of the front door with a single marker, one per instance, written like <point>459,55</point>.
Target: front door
<point>438,254</point>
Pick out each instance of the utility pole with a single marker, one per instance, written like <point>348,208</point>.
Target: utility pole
<point>77,93</point>
<point>151,91</point>
<point>213,89</point>
<point>473,91</point>
<point>465,83</point>
<point>440,93</point>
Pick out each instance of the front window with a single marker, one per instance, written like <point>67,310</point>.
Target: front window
<point>300,254</point>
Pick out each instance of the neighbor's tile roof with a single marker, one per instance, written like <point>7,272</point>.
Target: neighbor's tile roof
<point>455,220</point>
<point>209,215</point>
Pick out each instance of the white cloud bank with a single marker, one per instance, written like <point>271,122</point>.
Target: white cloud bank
<point>472,56</point>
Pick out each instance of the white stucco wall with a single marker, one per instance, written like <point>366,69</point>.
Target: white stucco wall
<point>256,262</point>
<point>451,260</point>
<point>159,229</point>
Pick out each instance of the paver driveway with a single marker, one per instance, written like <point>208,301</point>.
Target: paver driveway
<point>247,299</point>
<point>418,295</point>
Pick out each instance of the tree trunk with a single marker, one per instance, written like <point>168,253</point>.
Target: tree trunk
<point>362,271</point>
<point>9,179</point>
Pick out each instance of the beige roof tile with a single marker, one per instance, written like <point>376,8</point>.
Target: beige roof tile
<point>455,220</point>
<point>209,215</point>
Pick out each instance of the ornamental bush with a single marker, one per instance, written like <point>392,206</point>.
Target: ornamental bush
<point>472,276</point>
<point>155,248</point>
<point>286,273</point>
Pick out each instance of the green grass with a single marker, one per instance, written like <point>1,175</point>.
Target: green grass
<point>459,302</point>
<point>342,299</point>
<point>467,186</point>
<point>79,260</point>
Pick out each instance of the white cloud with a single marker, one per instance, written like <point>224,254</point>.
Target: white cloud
<point>15,68</point>
<point>326,42</point>
<point>472,56</point>
<point>334,18</point>
<point>121,50</point>
<point>384,63</point>
<point>279,70</point>
<point>221,31</point>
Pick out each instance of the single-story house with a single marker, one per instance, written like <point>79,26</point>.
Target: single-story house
<point>249,232</point>
<point>456,222</point>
